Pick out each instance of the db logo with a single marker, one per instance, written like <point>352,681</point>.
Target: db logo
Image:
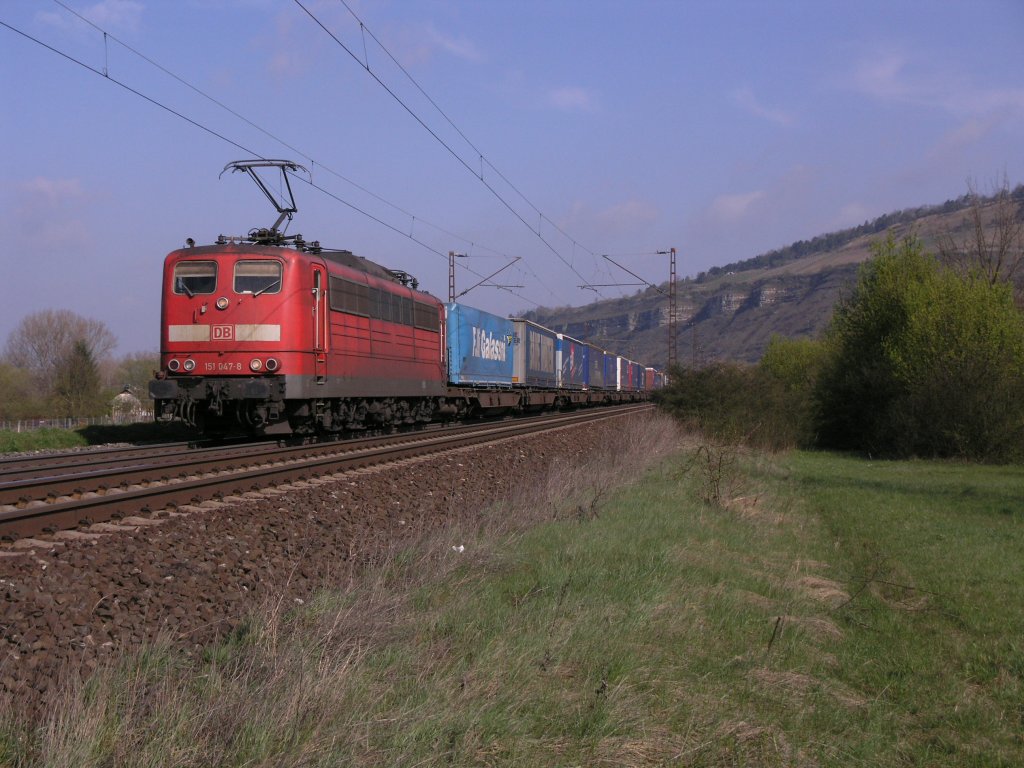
<point>223,332</point>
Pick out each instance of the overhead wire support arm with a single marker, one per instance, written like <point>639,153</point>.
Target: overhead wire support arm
<point>493,274</point>
<point>634,274</point>
<point>452,256</point>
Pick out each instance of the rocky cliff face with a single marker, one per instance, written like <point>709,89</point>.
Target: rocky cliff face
<point>731,312</point>
<point>730,319</point>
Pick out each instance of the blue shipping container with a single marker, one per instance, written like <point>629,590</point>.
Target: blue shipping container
<point>627,374</point>
<point>479,346</point>
<point>534,355</point>
<point>571,357</point>
<point>595,367</point>
<point>611,371</point>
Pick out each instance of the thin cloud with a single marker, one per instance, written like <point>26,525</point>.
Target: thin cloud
<point>51,212</point>
<point>893,76</point>
<point>967,133</point>
<point>51,191</point>
<point>625,218</point>
<point>418,44</point>
<point>283,64</point>
<point>880,77</point>
<point>629,215</point>
<point>745,99</point>
<point>116,14</point>
<point>111,15</point>
<point>896,77</point>
<point>460,48</point>
<point>572,99</point>
<point>287,53</point>
<point>851,215</point>
<point>732,208</point>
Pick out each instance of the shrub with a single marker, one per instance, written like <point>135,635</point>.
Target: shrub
<point>922,361</point>
<point>19,398</point>
<point>712,400</point>
<point>767,406</point>
<point>790,370</point>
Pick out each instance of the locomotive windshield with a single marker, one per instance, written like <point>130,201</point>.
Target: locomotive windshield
<point>257,277</point>
<point>192,277</point>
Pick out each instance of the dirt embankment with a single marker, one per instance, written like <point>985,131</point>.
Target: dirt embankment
<point>68,606</point>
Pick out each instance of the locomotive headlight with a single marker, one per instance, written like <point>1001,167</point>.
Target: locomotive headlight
<point>173,366</point>
<point>190,365</point>
<point>255,364</point>
<point>222,302</point>
<point>272,364</point>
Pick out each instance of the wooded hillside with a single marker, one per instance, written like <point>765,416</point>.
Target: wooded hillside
<point>730,312</point>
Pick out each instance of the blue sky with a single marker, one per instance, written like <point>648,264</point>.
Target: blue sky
<point>723,129</point>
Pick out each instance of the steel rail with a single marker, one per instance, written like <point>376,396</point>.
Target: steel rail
<point>94,462</point>
<point>26,465</point>
<point>43,483</point>
<point>89,508</point>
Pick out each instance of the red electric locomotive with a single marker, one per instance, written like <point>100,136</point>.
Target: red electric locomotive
<point>269,333</point>
<point>257,337</point>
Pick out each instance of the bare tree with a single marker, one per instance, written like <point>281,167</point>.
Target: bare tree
<point>44,339</point>
<point>992,240</point>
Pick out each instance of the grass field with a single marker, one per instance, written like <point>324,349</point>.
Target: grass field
<point>40,440</point>
<point>56,439</point>
<point>720,609</point>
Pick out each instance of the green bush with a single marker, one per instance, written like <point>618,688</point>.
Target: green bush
<point>768,405</point>
<point>922,361</point>
<point>711,400</point>
<point>18,396</point>
<point>790,370</point>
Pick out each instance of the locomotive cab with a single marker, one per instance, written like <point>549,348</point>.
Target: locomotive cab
<point>235,321</point>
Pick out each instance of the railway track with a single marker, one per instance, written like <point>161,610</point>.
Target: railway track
<point>15,466</point>
<point>107,485</point>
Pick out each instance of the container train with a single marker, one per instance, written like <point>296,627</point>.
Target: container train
<point>289,337</point>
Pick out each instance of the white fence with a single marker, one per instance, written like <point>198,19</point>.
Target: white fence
<point>119,417</point>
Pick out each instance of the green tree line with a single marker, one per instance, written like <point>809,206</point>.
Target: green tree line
<point>58,364</point>
<point>925,357</point>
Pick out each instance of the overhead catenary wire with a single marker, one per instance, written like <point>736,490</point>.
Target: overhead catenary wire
<point>320,165</point>
<point>313,161</point>
<point>365,65</point>
<point>105,74</point>
<point>364,29</point>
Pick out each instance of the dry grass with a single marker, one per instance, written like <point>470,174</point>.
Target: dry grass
<point>624,625</point>
<point>297,683</point>
<point>823,590</point>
